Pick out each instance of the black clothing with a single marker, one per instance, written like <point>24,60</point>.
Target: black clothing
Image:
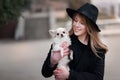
<point>84,66</point>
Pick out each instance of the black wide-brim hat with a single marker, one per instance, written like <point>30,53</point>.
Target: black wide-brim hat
<point>89,11</point>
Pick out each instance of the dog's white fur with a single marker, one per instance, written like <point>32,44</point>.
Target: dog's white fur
<point>59,36</point>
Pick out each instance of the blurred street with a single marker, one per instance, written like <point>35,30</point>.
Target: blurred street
<point>25,40</point>
<point>22,60</point>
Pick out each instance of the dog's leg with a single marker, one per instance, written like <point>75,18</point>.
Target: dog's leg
<point>62,53</point>
<point>71,55</point>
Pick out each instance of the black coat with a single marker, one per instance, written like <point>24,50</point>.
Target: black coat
<point>84,66</point>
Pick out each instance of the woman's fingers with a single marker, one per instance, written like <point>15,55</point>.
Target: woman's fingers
<point>55,57</point>
<point>65,47</point>
<point>60,73</point>
<point>64,44</point>
<point>57,72</point>
<point>66,51</point>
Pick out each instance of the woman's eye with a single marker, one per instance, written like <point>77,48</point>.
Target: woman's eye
<point>76,19</point>
<point>82,23</point>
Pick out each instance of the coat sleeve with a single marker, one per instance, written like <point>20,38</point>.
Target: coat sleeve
<point>97,74</point>
<point>47,70</point>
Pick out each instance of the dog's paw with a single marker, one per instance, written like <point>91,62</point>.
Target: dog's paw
<point>71,55</point>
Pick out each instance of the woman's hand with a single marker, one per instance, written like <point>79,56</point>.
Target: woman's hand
<point>61,73</point>
<point>55,57</point>
<point>65,47</point>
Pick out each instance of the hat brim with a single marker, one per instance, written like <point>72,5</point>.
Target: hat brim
<point>71,13</point>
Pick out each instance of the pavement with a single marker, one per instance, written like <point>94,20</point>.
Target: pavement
<point>112,64</point>
<point>23,60</point>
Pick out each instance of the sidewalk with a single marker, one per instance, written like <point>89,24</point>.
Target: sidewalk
<point>23,60</point>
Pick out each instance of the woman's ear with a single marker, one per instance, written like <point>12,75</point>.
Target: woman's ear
<point>52,33</point>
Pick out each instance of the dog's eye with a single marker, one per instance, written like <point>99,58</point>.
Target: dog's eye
<point>57,33</point>
<point>64,32</point>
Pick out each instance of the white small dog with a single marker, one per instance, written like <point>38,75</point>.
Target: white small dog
<point>59,36</point>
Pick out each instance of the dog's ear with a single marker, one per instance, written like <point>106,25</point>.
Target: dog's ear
<point>68,25</point>
<point>52,33</point>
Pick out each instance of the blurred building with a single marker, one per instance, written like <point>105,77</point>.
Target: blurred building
<point>109,15</point>
<point>108,8</point>
<point>45,5</point>
<point>42,16</point>
<point>47,14</point>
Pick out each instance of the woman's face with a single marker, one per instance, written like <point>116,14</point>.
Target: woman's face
<point>79,25</point>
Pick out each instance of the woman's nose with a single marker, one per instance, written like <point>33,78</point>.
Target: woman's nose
<point>77,23</point>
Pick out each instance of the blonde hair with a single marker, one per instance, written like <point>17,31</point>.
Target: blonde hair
<point>95,42</point>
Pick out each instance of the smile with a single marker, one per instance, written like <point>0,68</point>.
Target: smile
<point>76,30</point>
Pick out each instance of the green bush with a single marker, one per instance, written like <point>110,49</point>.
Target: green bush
<point>11,9</point>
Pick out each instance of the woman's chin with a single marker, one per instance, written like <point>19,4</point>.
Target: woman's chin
<point>76,33</point>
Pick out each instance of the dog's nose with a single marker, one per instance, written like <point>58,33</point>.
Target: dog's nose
<point>61,35</point>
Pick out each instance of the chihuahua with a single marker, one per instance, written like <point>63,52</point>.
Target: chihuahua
<point>59,36</point>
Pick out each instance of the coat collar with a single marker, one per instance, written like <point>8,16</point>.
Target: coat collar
<point>74,40</point>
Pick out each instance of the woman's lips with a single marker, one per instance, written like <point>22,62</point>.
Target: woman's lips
<point>76,30</point>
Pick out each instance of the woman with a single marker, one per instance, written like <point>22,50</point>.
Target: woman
<point>88,50</point>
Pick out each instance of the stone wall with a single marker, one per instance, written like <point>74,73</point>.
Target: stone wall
<point>37,28</point>
<point>35,25</point>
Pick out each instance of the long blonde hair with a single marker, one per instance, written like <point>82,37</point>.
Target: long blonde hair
<point>96,44</point>
<point>95,40</point>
